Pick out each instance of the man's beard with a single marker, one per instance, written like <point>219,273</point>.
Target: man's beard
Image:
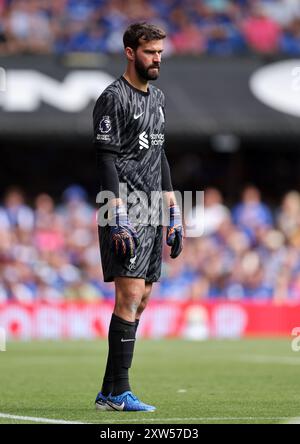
<point>144,72</point>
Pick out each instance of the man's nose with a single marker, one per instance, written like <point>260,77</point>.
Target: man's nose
<point>157,57</point>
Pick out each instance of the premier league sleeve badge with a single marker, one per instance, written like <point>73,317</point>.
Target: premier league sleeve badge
<point>105,124</point>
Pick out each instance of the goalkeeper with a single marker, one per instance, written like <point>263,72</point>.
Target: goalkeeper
<point>129,126</point>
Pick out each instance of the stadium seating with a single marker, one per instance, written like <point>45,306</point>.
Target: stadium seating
<point>214,27</point>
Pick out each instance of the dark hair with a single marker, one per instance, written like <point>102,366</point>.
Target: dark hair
<point>143,31</point>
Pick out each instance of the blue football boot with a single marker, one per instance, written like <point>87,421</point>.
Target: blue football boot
<point>100,403</point>
<point>127,402</point>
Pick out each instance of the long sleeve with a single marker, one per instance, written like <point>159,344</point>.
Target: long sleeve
<point>107,172</point>
<point>108,118</point>
<point>166,181</point>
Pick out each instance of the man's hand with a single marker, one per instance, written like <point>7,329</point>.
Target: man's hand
<point>124,240</point>
<point>175,232</point>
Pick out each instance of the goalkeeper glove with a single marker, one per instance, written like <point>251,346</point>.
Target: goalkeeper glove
<point>175,232</point>
<point>124,240</point>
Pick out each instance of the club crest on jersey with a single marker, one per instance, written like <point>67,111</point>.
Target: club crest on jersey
<point>105,124</point>
<point>132,265</point>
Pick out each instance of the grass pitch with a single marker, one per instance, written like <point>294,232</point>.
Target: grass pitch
<point>243,381</point>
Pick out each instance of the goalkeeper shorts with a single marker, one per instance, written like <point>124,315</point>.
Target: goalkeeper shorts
<point>147,262</point>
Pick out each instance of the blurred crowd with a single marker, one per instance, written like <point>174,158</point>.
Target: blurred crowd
<point>50,252</point>
<point>217,27</point>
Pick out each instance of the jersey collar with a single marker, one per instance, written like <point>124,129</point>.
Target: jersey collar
<point>143,93</point>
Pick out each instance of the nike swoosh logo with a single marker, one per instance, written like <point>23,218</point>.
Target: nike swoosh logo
<point>116,406</point>
<point>136,116</point>
<point>127,340</point>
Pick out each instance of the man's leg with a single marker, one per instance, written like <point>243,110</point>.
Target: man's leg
<point>130,302</point>
<point>144,301</point>
<point>129,293</point>
<point>121,337</point>
<point>107,386</point>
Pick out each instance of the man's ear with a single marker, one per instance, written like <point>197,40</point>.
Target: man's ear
<point>130,54</point>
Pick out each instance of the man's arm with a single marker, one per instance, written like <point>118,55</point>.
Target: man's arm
<point>107,173</point>
<point>109,121</point>
<point>166,182</point>
<point>174,230</point>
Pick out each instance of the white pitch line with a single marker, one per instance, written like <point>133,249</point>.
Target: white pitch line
<point>36,419</point>
<point>128,420</point>
<point>293,421</point>
<point>247,418</point>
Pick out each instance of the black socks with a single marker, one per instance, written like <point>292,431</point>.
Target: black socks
<point>121,339</point>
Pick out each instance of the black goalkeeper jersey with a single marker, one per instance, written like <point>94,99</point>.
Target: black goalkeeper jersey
<point>131,123</point>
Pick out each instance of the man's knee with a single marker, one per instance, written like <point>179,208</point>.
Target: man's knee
<point>129,294</point>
